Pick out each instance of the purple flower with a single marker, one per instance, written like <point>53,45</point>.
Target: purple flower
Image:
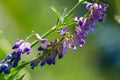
<point>42,63</point>
<point>34,63</point>
<point>97,7</point>
<point>76,19</point>
<point>17,44</point>
<point>50,57</point>
<point>81,42</point>
<point>22,47</point>
<point>79,33</point>
<point>27,48</point>
<point>80,20</point>
<point>59,50</point>
<point>14,58</point>
<point>65,44</point>
<point>88,25</point>
<point>97,13</point>
<point>9,56</point>
<point>40,39</point>
<point>105,6</point>
<point>63,31</point>
<point>43,47</point>
<point>72,43</point>
<point>5,67</point>
<point>89,6</point>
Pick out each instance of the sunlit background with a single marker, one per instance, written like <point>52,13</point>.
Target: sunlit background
<point>99,59</point>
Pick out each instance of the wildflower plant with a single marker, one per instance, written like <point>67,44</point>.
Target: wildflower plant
<point>73,31</point>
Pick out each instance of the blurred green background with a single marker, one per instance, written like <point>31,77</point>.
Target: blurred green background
<point>99,59</point>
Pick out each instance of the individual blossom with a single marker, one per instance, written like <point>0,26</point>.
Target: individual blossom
<point>40,39</point>
<point>24,47</point>
<point>35,63</point>
<point>63,31</point>
<point>27,48</point>
<point>89,6</point>
<point>65,44</point>
<point>60,51</point>
<point>72,43</point>
<point>17,44</point>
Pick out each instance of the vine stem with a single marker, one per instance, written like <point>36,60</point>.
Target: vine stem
<point>46,34</point>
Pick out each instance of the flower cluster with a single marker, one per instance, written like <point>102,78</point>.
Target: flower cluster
<point>48,51</point>
<point>13,59</point>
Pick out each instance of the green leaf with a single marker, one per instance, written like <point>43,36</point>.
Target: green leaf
<point>63,15</point>
<point>68,20</point>
<point>56,12</point>
<point>13,76</point>
<point>21,78</point>
<point>16,75</point>
<point>2,77</point>
<point>117,10</point>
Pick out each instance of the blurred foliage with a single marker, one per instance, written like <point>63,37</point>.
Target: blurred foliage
<point>5,46</point>
<point>99,59</point>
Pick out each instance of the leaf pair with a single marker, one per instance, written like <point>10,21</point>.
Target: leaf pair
<point>63,19</point>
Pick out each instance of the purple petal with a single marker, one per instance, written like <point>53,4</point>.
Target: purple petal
<point>17,44</point>
<point>43,47</point>
<point>65,44</point>
<point>77,30</point>
<point>81,21</point>
<point>81,42</point>
<point>27,47</point>
<point>40,39</point>
<point>63,31</point>
<point>89,6</point>
<point>72,43</point>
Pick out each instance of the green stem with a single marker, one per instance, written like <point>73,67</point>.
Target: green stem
<point>46,34</point>
<point>77,5</point>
